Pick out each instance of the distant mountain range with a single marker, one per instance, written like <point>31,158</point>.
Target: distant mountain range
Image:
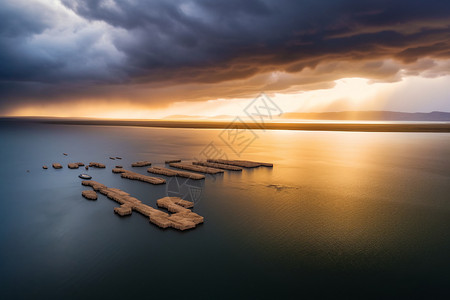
<point>371,116</point>
<point>345,116</point>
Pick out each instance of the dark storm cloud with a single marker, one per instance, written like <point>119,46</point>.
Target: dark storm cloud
<point>172,42</point>
<point>16,26</point>
<point>203,33</point>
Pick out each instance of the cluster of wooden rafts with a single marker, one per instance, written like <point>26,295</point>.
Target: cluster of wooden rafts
<point>180,215</point>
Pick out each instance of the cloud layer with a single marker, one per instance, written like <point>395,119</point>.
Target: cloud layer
<point>156,52</point>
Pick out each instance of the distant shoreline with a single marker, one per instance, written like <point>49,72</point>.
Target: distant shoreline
<point>414,127</point>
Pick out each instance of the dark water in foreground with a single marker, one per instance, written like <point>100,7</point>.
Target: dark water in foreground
<point>340,215</point>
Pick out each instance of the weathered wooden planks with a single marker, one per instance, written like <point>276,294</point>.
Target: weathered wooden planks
<point>136,176</point>
<point>217,165</point>
<point>171,172</point>
<point>182,218</point>
<point>195,168</point>
<point>241,163</point>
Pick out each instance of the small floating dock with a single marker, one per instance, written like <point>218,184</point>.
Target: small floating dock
<point>97,165</point>
<point>241,163</point>
<point>75,165</point>
<point>182,217</point>
<point>142,163</point>
<point>90,195</point>
<point>172,161</point>
<point>171,172</point>
<point>195,168</point>
<point>136,176</point>
<point>217,165</point>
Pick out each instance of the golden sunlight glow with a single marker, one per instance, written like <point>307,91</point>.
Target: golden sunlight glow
<point>348,94</point>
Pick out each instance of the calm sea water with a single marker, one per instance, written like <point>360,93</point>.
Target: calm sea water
<point>341,214</point>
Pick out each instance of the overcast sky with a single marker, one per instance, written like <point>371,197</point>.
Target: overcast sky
<point>135,58</point>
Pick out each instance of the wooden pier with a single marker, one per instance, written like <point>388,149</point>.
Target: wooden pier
<point>217,165</point>
<point>169,161</point>
<point>241,163</point>
<point>195,168</point>
<point>136,176</point>
<point>182,217</point>
<point>143,163</point>
<point>171,172</point>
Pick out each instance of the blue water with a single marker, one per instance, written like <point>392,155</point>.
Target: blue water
<point>341,214</point>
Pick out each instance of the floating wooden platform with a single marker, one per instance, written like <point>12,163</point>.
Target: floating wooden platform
<point>136,176</point>
<point>91,195</point>
<point>142,163</point>
<point>241,163</point>
<point>72,166</point>
<point>75,165</point>
<point>182,218</point>
<point>171,172</point>
<point>172,161</point>
<point>195,168</point>
<point>97,165</point>
<point>168,202</point>
<point>217,165</point>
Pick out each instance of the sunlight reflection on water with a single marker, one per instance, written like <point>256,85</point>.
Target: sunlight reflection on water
<point>351,205</point>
